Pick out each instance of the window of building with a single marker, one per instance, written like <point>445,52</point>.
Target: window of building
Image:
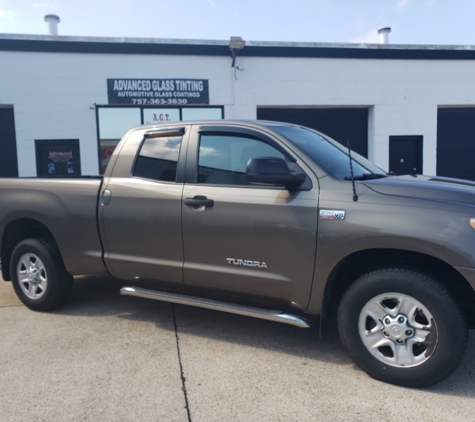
<point>195,113</point>
<point>113,122</point>
<point>223,158</point>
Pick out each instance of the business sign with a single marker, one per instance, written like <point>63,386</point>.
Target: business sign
<point>58,158</point>
<point>158,91</point>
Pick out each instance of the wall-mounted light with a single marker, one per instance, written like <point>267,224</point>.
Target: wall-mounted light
<point>235,44</point>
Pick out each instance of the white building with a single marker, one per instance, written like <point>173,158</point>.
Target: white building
<point>409,108</point>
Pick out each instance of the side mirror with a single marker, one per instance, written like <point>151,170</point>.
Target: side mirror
<point>272,171</point>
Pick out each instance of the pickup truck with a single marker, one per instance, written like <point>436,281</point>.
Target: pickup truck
<point>264,219</point>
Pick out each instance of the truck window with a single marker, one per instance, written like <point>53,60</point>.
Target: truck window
<point>328,153</point>
<point>223,158</point>
<point>157,159</point>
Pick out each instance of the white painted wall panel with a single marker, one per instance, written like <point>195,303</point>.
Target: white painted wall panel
<point>54,93</point>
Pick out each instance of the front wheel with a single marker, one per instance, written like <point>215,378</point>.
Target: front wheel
<point>38,275</point>
<point>402,327</point>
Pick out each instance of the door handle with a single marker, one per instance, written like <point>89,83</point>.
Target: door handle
<point>199,203</point>
<point>106,197</point>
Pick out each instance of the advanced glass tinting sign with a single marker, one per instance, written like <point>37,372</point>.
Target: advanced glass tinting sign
<point>158,91</point>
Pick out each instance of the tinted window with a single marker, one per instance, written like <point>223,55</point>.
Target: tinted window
<point>223,159</point>
<point>158,158</point>
<point>328,153</point>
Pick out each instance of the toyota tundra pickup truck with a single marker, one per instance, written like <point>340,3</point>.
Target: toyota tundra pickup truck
<point>264,219</point>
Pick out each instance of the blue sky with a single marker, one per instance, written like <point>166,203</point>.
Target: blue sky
<point>412,21</point>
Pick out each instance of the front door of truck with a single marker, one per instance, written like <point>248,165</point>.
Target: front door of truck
<point>244,238</point>
<point>141,211</point>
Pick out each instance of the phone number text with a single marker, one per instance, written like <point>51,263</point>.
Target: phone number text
<point>160,101</point>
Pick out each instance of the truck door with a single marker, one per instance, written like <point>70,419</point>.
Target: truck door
<point>243,238</point>
<point>141,211</point>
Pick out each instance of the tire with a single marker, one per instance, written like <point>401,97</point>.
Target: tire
<point>402,327</point>
<point>38,275</point>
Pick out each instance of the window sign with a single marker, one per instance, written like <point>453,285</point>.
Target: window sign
<point>153,116</point>
<point>115,122</point>
<point>58,158</point>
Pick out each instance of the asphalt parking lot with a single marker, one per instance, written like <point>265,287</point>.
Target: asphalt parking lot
<point>104,357</point>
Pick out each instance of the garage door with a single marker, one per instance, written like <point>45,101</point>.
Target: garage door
<point>456,142</point>
<point>8,151</point>
<point>341,124</point>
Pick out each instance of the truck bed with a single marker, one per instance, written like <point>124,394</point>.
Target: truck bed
<point>66,207</point>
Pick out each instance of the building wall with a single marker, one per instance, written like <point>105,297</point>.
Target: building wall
<point>54,93</point>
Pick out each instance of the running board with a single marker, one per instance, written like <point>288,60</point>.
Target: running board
<point>277,316</point>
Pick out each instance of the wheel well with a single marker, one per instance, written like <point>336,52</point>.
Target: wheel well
<point>14,233</point>
<point>359,263</point>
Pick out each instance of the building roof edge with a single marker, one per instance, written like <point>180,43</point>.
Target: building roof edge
<point>126,45</point>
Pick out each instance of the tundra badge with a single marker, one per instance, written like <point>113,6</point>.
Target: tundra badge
<point>247,263</point>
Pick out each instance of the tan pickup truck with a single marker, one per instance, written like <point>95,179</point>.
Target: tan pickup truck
<point>263,219</point>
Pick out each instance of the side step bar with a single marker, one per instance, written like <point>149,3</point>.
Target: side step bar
<point>277,316</point>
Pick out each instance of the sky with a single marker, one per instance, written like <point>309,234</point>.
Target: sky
<point>329,21</point>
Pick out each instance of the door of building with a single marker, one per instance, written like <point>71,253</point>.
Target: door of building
<point>341,124</point>
<point>405,154</point>
<point>456,142</point>
<point>8,149</point>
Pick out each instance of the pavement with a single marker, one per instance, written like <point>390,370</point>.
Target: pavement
<point>104,357</point>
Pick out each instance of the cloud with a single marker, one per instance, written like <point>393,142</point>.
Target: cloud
<point>369,37</point>
<point>209,151</point>
<point>6,16</point>
<point>43,6</point>
<point>401,4</point>
<point>212,4</point>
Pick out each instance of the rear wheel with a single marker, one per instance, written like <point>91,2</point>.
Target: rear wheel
<point>38,275</point>
<point>402,327</point>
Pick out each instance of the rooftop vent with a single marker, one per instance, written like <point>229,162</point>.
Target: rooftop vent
<point>384,34</point>
<point>53,21</point>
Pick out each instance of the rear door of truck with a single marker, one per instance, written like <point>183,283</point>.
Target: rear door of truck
<point>140,211</point>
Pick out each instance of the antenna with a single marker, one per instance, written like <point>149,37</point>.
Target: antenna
<point>355,196</point>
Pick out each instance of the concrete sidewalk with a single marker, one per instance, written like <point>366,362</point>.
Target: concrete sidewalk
<point>104,357</point>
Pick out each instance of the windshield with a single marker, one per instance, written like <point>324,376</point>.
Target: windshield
<point>329,154</point>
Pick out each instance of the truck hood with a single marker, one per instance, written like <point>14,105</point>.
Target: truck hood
<point>431,188</point>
